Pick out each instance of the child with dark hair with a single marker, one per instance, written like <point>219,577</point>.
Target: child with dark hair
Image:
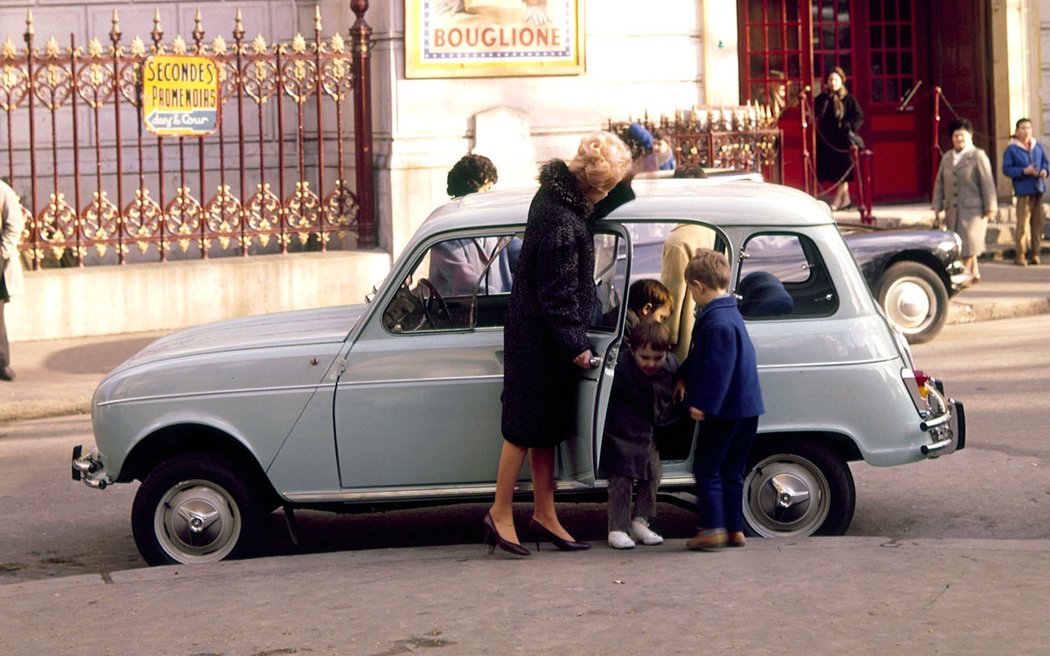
<point>641,398</point>
<point>647,299</point>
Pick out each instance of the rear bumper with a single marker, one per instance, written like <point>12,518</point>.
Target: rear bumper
<point>945,427</point>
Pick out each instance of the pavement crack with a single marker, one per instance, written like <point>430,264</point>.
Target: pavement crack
<point>938,596</point>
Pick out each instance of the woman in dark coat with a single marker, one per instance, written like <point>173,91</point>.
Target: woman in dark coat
<point>839,117</point>
<point>545,336</point>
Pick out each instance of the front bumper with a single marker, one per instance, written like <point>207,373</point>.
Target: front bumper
<point>89,468</point>
<point>945,423</point>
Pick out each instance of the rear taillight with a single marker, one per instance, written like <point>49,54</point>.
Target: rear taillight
<point>921,379</point>
<point>918,384</point>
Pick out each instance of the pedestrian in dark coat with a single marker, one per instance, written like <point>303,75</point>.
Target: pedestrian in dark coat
<point>839,118</point>
<point>545,334</point>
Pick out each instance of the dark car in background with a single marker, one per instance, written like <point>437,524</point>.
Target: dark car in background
<point>911,273</point>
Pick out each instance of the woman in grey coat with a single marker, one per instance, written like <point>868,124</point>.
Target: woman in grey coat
<point>965,192</point>
<point>545,335</point>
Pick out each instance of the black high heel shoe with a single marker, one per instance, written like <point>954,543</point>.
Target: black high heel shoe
<point>493,539</point>
<point>539,531</point>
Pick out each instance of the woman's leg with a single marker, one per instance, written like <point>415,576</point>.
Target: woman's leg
<point>542,462</point>
<point>511,459</point>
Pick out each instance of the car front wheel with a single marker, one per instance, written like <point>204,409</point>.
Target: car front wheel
<point>195,509</point>
<point>795,488</point>
<point>915,300</point>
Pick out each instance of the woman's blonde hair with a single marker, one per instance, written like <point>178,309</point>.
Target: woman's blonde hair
<point>601,161</point>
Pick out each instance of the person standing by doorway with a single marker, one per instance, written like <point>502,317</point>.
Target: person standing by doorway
<point>1025,163</point>
<point>839,117</point>
<point>12,222</point>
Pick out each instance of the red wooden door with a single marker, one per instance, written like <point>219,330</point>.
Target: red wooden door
<point>877,43</point>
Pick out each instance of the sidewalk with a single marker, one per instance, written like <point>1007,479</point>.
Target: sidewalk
<point>812,596</point>
<point>58,377</point>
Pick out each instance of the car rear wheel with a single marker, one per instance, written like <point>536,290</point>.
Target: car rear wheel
<point>915,300</point>
<point>195,509</point>
<point>795,488</point>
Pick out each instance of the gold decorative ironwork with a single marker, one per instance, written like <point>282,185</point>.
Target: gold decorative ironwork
<point>303,211</point>
<point>142,219</point>
<point>57,224</point>
<point>223,215</point>
<point>182,217</point>
<point>264,213</point>
<point>100,220</point>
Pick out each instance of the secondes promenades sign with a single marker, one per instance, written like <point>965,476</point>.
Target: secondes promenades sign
<point>180,95</point>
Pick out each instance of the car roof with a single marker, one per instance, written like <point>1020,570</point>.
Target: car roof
<point>725,202</point>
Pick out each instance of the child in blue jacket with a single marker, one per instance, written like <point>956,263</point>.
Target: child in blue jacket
<point>723,395</point>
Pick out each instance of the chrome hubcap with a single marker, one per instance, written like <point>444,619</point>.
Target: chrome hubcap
<point>785,495</point>
<point>908,304</point>
<point>197,521</point>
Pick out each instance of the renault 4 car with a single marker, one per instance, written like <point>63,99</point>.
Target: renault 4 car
<point>397,401</point>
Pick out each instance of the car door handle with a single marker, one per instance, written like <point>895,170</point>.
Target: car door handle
<point>595,362</point>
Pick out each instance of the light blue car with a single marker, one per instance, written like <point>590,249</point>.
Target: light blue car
<point>398,401</point>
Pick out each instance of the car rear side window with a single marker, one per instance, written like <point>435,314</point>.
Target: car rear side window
<point>782,275</point>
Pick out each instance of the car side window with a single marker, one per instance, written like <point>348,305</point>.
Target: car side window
<point>458,284</point>
<point>782,275</point>
<point>610,279</point>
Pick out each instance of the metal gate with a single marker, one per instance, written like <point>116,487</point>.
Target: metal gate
<point>274,177</point>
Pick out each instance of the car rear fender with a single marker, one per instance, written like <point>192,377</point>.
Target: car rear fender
<point>842,445</point>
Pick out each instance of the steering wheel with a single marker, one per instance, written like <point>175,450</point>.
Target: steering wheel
<point>405,312</point>
<point>435,310</point>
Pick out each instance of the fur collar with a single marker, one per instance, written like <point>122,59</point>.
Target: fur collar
<point>556,178</point>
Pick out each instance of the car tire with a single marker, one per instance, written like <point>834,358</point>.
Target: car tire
<point>196,509</point>
<point>914,299</point>
<point>795,488</point>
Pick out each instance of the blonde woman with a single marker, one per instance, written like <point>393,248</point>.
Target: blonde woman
<point>545,335</point>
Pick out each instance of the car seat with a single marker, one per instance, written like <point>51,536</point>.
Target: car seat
<point>763,295</point>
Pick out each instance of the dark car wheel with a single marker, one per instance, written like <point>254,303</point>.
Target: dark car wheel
<point>195,509</point>
<point>914,299</point>
<point>795,488</point>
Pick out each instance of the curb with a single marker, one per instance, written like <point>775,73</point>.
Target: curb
<point>962,312</point>
<point>27,410</point>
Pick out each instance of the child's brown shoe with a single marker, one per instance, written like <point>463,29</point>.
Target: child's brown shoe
<point>736,539</point>
<point>708,540</point>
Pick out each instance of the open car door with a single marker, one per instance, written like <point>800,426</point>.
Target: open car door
<point>578,456</point>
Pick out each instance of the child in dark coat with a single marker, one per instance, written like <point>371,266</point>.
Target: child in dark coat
<point>640,398</point>
<point>723,395</point>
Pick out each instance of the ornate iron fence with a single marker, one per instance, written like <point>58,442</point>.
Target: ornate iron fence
<point>277,162</point>
<point>741,138</point>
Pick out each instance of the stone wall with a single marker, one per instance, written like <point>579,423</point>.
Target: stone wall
<point>102,300</point>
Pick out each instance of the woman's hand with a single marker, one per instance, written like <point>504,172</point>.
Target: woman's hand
<point>696,414</point>
<point>583,360</point>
